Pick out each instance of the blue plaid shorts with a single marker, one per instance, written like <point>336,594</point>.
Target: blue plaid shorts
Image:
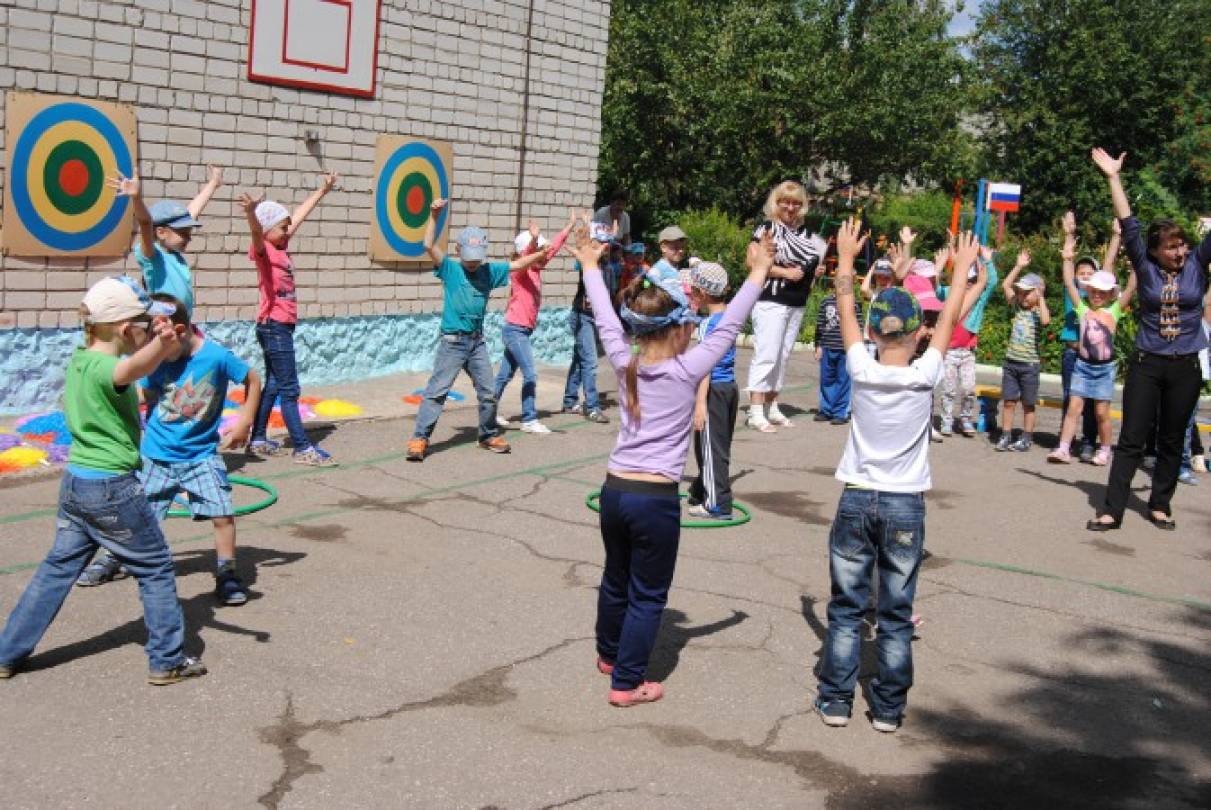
<point>203,482</point>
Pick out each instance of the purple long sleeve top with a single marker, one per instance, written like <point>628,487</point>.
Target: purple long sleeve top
<point>1191,287</point>
<point>658,444</point>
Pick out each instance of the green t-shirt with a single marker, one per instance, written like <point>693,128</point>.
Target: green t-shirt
<point>1024,336</point>
<point>465,300</point>
<point>104,422</point>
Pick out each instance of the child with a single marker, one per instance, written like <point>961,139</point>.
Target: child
<point>466,283</point>
<point>880,522</point>
<point>1093,373</point>
<point>521,316</point>
<point>582,372</point>
<point>959,375</point>
<point>272,227</point>
<point>180,447</point>
<point>1020,372</point>
<point>164,233</point>
<point>830,352</point>
<point>640,510</point>
<point>710,495</point>
<point>1086,266</point>
<point>632,264</point>
<point>101,503</point>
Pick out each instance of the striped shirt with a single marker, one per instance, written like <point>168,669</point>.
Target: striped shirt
<point>1024,336</point>
<point>828,323</point>
<point>798,247</point>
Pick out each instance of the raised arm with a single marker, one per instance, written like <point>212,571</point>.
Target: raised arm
<point>435,252</point>
<point>134,367</point>
<point>1112,247</point>
<point>975,291</point>
<point>967,248</point>
<point>214,179</point>
<point>1011,278</point>
<point>1129,289</point>
<point>249,204</point>
<point>131,187</point>
<point>308,205</point>
<point>1068,256</point>
<point>699,360</point>
<point>1044,312</point>
<point>866,289</point>
<point>1111,167</point>
<point>850,242</point>
<point>588,252</point>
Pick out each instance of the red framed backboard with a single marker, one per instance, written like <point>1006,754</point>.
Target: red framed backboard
<point>327,45</point>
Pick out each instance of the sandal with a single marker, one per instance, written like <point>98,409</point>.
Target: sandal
<point>646,692</point>
<point>760,423</point>
<point>1166,523</point>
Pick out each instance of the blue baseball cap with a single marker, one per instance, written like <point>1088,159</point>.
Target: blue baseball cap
<point>172,214</point>
<point>894,312</point>
<point>473,244</point>
<point>635,248</point>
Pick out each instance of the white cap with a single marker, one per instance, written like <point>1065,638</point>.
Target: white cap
<point>270,213</point>
<point>1102,280</point>
<point>522,241</point>
<point>924,268</point>
<point>120,298</point>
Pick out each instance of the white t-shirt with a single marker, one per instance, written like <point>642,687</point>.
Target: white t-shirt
<point>888,445</point>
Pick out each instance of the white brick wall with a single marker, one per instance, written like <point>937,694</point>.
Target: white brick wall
<point>446,70</point>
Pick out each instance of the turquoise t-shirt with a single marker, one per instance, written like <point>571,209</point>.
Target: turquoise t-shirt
<point>465,295</point>
<point>167,272</point>
<point>188,396</point>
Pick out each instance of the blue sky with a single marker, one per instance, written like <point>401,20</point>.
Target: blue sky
<point>964,22</point>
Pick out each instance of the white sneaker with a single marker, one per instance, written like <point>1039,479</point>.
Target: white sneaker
<point>534,426</point>
<point>777,417</point>
<point>502,423</point>
<point>757,421</point>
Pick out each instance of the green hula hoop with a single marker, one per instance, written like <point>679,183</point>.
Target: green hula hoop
<point>594,498</point>
<point>271,497</point>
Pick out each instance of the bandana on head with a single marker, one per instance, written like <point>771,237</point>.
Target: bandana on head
<point>666,279</point>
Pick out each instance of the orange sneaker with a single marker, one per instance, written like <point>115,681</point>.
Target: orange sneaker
<point>496,444</point>
<point>646,692</point>
<point>417,448</point>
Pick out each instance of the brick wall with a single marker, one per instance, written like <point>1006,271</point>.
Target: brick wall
<point>447,70</point>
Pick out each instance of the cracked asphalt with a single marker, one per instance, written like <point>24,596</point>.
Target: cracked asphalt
<point>421,637</point>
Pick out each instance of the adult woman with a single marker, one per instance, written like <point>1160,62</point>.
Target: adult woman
<point>1164,377</point>
<point>779,311</point>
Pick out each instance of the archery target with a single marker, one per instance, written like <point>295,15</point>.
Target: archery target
<point>410,174</point>
<point>56,201</point>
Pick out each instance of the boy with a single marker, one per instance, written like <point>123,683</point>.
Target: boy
<point>582,372</point>
<point>710,495</point>
<point>164,233</point>
<point>830,352</point>
<point>101,504</point>
<point>180,447</point>
<point>521,316</point>
<point>880,520</point>
<point>272,227</point>
<point>466,283</point>
<point>1020,372</point>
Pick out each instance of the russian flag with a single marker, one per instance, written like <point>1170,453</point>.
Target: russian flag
<point>1004,197</point>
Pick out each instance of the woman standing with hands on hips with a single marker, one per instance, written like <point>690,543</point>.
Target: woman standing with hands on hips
<point>779,311</point>
<point>1164,378</point>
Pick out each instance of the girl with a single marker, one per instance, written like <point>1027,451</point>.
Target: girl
<point>1094,370</point>
<point>640,510</point>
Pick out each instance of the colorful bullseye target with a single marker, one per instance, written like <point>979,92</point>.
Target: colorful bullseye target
<point>56,201</point>
<point>411,174</point>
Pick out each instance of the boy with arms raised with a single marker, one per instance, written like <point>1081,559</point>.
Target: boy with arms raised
<point>880,519</point>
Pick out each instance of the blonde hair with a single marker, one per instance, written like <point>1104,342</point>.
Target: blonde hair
<point>787,189</point>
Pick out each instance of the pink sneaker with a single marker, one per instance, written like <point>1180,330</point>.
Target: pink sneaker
<point>605,667</point>
<point>646,692</point>
<point>1102,457</point>
<point>1060,455</point>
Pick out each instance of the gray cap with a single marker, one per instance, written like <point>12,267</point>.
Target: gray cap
<point>671,234</point>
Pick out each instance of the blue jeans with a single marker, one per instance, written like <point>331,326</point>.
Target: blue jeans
<point>456,353</point>
<point>640,533</point>
<point>281,380</point>
<point>887,530</point>
<point>583,371</point>
<point>112,513</point>
<point>1089,415</point>
<point>834,384</point>
<point>519,355</point>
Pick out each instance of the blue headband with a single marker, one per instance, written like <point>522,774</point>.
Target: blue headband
<point>666,279</point>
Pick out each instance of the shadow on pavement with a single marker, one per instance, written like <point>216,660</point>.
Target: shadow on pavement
<point>674,636</point>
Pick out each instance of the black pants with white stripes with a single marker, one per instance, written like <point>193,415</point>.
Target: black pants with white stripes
<point>713,448</point>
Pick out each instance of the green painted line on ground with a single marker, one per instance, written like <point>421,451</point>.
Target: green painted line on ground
<point>24,516</point>
<point>1089,583</point>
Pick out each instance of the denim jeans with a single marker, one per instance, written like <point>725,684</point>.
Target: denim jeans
<point>456,353</point>
<point>583,371</point>
<point>641,533</point>
<point>281,380</point>
<point>112,513</point>
<point>1089,415</point>
<point>884,530</point>
<point>519,355</point>
<point>834,384</point>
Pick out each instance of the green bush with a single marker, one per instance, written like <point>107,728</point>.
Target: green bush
<point>717,237</point>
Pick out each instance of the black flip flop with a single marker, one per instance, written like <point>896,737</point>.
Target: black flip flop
<point>1164,524</point>
<point>1099,526</point>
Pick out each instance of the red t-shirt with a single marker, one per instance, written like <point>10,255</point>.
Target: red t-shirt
<point>275,280</point>
<point>526,293</point>
<point>962,339</point>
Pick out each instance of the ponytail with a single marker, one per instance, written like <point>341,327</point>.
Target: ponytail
<point>632,388</point>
